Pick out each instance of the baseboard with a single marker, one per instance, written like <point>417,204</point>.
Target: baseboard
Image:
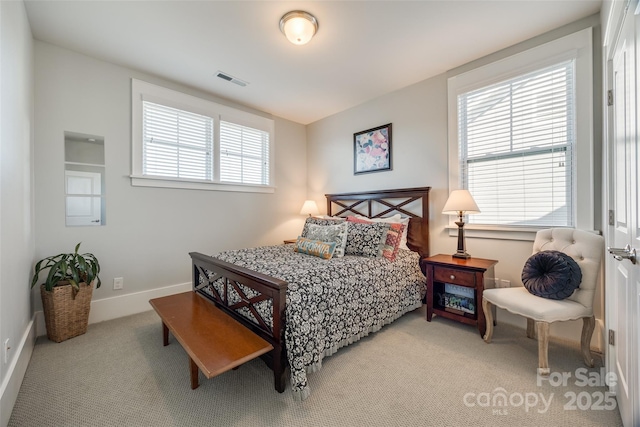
<point>121,306</point>
<point>11,385</point>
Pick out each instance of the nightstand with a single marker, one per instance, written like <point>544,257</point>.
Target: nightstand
<point>290,241</point>
<point>455,286</point>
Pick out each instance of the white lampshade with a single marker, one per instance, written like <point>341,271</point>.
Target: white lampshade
<point>460,201</point>
<point>309,208</point>
<point>298,26</point>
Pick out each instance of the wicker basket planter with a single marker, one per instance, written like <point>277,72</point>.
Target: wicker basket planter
<point>67,291</point>
<point>66,311</point>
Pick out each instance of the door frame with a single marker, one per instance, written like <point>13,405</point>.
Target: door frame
<point>618,11</point>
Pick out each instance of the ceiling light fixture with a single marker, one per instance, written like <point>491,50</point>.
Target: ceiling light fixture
<point>298,26</point>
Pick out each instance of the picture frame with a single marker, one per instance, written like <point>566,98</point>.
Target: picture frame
<point>372,150</point>
<point>459,298</point>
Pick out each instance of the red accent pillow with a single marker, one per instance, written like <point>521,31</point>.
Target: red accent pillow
<point>392,242</point>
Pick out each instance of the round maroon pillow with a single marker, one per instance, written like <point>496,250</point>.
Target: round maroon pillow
<point>551,274</point>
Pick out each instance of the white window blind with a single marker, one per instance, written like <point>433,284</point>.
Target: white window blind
<point>244,154</point>
<point>183,141</point>
<point>176,143</point>
<point>516,142</point>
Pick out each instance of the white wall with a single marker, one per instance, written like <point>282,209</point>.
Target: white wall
<point>419,153</point>
<point>149,231</point>
<point>16,207</point>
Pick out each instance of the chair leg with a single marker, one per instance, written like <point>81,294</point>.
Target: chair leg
<point>588,325</point>
<point>542,330</point>
<point>488,316</point>
<point>531,329</point>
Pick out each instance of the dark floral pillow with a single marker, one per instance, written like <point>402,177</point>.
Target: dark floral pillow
<point>394,237</point>
<point>366,239</point>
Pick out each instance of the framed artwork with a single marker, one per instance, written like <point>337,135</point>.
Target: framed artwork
<point>372,150</point>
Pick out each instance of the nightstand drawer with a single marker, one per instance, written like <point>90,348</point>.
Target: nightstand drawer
<point>454,275</point>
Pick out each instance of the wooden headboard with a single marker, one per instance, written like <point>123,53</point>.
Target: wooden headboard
<point>383,203</point>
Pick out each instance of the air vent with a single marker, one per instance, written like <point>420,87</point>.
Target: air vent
<point>231,79</point>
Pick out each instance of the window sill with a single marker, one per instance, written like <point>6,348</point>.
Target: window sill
<point>148,181</point>
<point>495,232</point>
<point>501,233</point>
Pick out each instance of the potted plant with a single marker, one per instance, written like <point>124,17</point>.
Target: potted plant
<point>66,293</point>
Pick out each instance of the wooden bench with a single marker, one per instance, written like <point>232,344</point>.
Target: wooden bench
<point>214,341</point>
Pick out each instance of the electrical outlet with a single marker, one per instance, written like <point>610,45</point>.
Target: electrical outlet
<point>501,283</point>
<point>5,350</point>
<point>118,283</point>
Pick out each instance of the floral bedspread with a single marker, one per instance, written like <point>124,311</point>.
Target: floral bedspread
<point>333,303</point>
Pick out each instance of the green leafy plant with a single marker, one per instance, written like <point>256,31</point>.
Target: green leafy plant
<point>68,268</point>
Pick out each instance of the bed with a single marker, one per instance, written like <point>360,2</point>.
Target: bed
<point>308,307</point>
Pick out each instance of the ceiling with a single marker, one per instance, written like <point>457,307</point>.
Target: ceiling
<point>363,49</point>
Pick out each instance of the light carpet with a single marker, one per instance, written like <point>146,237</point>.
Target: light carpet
<point>411,373</point>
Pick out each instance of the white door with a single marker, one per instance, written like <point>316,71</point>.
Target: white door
<point>623,275</point>
<point>83,198</point>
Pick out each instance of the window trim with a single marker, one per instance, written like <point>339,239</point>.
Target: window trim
<point>578,46</point>
<point>141,90</point>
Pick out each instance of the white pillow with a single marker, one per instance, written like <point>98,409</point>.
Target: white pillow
<point>397,218</point>
<point>336,218</point>
<point>390,219</point>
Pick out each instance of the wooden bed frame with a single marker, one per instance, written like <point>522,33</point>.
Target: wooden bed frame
<point>373,204</point>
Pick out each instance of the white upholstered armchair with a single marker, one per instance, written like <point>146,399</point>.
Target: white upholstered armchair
<point>586,249</point>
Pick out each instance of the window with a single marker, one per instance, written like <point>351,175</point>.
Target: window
<point>521,139</point>
<point>516,142</point>
<point>180,141</point>
<point>176,143</point>
<point>244,154</point>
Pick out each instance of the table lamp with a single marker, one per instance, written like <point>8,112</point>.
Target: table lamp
<point>460,203</point>
<point>309,207</point>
